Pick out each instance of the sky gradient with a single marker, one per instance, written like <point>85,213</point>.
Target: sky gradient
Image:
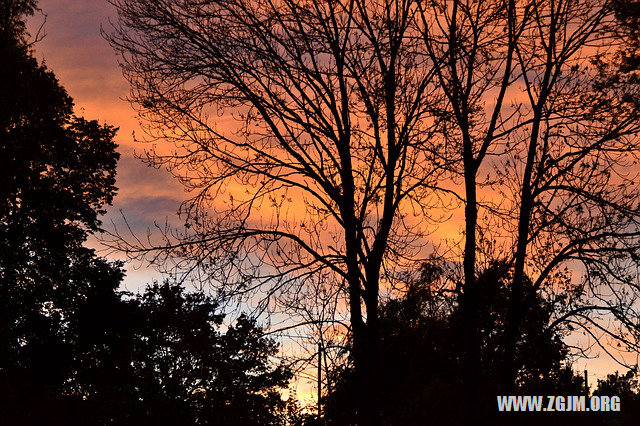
<point>88,68</point>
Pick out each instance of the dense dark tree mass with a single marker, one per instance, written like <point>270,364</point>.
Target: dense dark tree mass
<point>422,345</point>
<point>58,171</point>
<point>159,358</point>
<point>73,349</point>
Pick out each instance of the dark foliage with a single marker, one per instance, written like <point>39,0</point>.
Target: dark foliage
<point>623,385</point>
<point>12,17</point>
<point>628,14</point>
<point>422,350</point>
<point>73,349</point>
<point>626,387</point>
<point>58,171</point>
<point>159,358</point>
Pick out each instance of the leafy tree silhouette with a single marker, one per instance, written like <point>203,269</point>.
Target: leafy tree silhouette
<point>73,349</point>
<point>623,385</point>
<point>626,387</point>
<point>58,171</point>
<point>422,349</point>
<point>628,14</point>
<point>158,358</point>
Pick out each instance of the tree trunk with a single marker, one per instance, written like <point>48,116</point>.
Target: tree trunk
<point>471,367</point>
<point>514,312</point>
<point>366,364</point>
<point>515,309</point>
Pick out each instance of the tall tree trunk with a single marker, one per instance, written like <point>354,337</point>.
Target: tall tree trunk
<point>469,298</point>
<point>364,334</point>
<point>515,308</point>
<point>372,413</point>
<point>366,362</point>
<point>364,380</point>
<point>514,312</point>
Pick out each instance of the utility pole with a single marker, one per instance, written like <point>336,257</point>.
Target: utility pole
<point>586,383</point>
<point>319,378</point>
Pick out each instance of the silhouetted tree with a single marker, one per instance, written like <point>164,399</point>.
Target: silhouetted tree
<point>73,349</point>
<point>354,110</point>
<point>544,152</point>
<point>12,18</point>
<point>227,378</point>
<point>576,188</point>
<point>158,358</point>
<point>422,351</point>
<point>626,387</point>
<point>58,171</point>
<point>628,14</point>
<point>325,167</point>
<point>623,385</point>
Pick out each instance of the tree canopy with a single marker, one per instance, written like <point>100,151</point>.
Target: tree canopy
<point>58,172</point>
<point>74,349</point>
<point>422,347</point>
<point>160,358</point>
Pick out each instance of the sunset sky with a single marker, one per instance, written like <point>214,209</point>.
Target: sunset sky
<point>87,67</point>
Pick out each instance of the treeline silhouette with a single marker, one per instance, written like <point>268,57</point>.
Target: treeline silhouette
<point>73,348</point>
<point>423,378</point>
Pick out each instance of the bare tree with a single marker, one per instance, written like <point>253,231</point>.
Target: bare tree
<point>306,131</point>
<point>557,141</point>
<point>471,45</point>
<point>315,137</point>
<point>576,179</point>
